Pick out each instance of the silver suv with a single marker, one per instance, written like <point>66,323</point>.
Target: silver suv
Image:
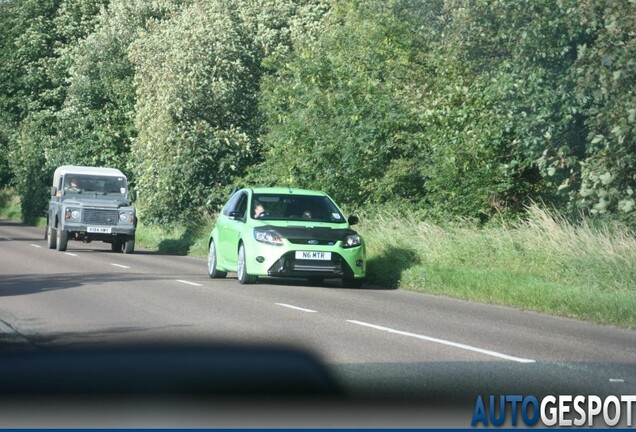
<point>89,203</point>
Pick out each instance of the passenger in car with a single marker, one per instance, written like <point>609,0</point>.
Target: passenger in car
<point>72,186</point>
<point>259,210</point>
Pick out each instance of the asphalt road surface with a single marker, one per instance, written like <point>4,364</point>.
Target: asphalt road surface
<point>401,359</point>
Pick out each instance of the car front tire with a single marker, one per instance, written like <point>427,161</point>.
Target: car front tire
<point>213,272</point>
<point>243,277</point>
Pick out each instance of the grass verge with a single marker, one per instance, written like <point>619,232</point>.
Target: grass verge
<point>542,263</point>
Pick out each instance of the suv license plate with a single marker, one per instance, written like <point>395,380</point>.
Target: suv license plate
<point>99,230</point>
<point>309,255</point>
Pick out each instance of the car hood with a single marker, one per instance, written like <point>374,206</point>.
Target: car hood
<point>305,231</point>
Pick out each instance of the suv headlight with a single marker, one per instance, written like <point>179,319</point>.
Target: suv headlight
<point>126,216</point>
<point>268,236</point>
<point>71,214</point>
<point>351,241</point>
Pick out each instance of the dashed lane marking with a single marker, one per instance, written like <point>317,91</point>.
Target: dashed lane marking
<point>295,307</point>
<point>188,282</point>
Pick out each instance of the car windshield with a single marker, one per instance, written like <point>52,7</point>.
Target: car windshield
<point>102,185</point>
<point>295,207</point>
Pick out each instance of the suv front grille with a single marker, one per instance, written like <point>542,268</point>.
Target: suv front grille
<point>100,216</point>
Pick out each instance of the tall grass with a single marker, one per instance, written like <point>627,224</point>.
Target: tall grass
<point>542,262</point>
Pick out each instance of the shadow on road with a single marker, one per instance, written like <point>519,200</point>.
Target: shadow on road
<point>15,285</point>
<point>101,337</point>
<point>30,236</point>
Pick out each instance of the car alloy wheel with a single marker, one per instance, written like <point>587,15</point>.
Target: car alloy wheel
<point>213,272</point>
<point>243,277</point>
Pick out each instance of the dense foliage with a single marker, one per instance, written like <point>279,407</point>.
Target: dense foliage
<point>444,108</point>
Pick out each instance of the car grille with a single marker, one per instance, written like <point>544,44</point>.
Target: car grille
<point>288,266</point>
<point>312,242</point>
<point>100,216</point>
<point>309,266</point>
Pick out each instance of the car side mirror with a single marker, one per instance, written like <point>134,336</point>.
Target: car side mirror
<point>53,191</point>
<point>352,219</point>
<point>234,215</point>
<point>132,195</point>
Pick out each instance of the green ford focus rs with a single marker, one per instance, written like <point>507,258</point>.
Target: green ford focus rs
<point>291,233</point>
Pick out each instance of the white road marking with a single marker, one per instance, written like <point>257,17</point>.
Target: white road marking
<point>34,245</point>
<point>119,265</point>
<point>618,380</point>
<point>445,342</point>
<point>188,282</point>
<point>296,307</point>
<point>70,254</point>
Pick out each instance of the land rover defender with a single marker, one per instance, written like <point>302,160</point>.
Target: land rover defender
<point>90,203</point>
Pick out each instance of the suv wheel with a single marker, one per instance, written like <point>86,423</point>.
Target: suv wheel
<point>243,277</point>
<point>116,246</point>
<point>129,245</point>
<point>62,239</point>
<point>51,236</point>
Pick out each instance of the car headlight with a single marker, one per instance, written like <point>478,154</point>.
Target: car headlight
<point>268,236</point>
<point>352,241</point>
<point>75,214</point>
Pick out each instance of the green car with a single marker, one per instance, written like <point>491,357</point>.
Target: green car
<point>290,233</point>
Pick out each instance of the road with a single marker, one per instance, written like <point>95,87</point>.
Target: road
<point>382,345</point>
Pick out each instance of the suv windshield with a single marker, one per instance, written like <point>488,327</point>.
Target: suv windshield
<point>101,185</point>
<point>295,207</point>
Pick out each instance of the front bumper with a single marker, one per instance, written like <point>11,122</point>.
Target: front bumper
<point>280,261</point>
<point>80,231</point>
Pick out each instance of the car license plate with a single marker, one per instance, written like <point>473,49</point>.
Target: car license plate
<point>99,230</point>
<point>310,255</point>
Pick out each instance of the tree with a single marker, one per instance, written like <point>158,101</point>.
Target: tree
<point>95,125</point>
<point>336,115</point>
<point>605,73</point>
<point>197,77</point>
<point>27,97</point>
